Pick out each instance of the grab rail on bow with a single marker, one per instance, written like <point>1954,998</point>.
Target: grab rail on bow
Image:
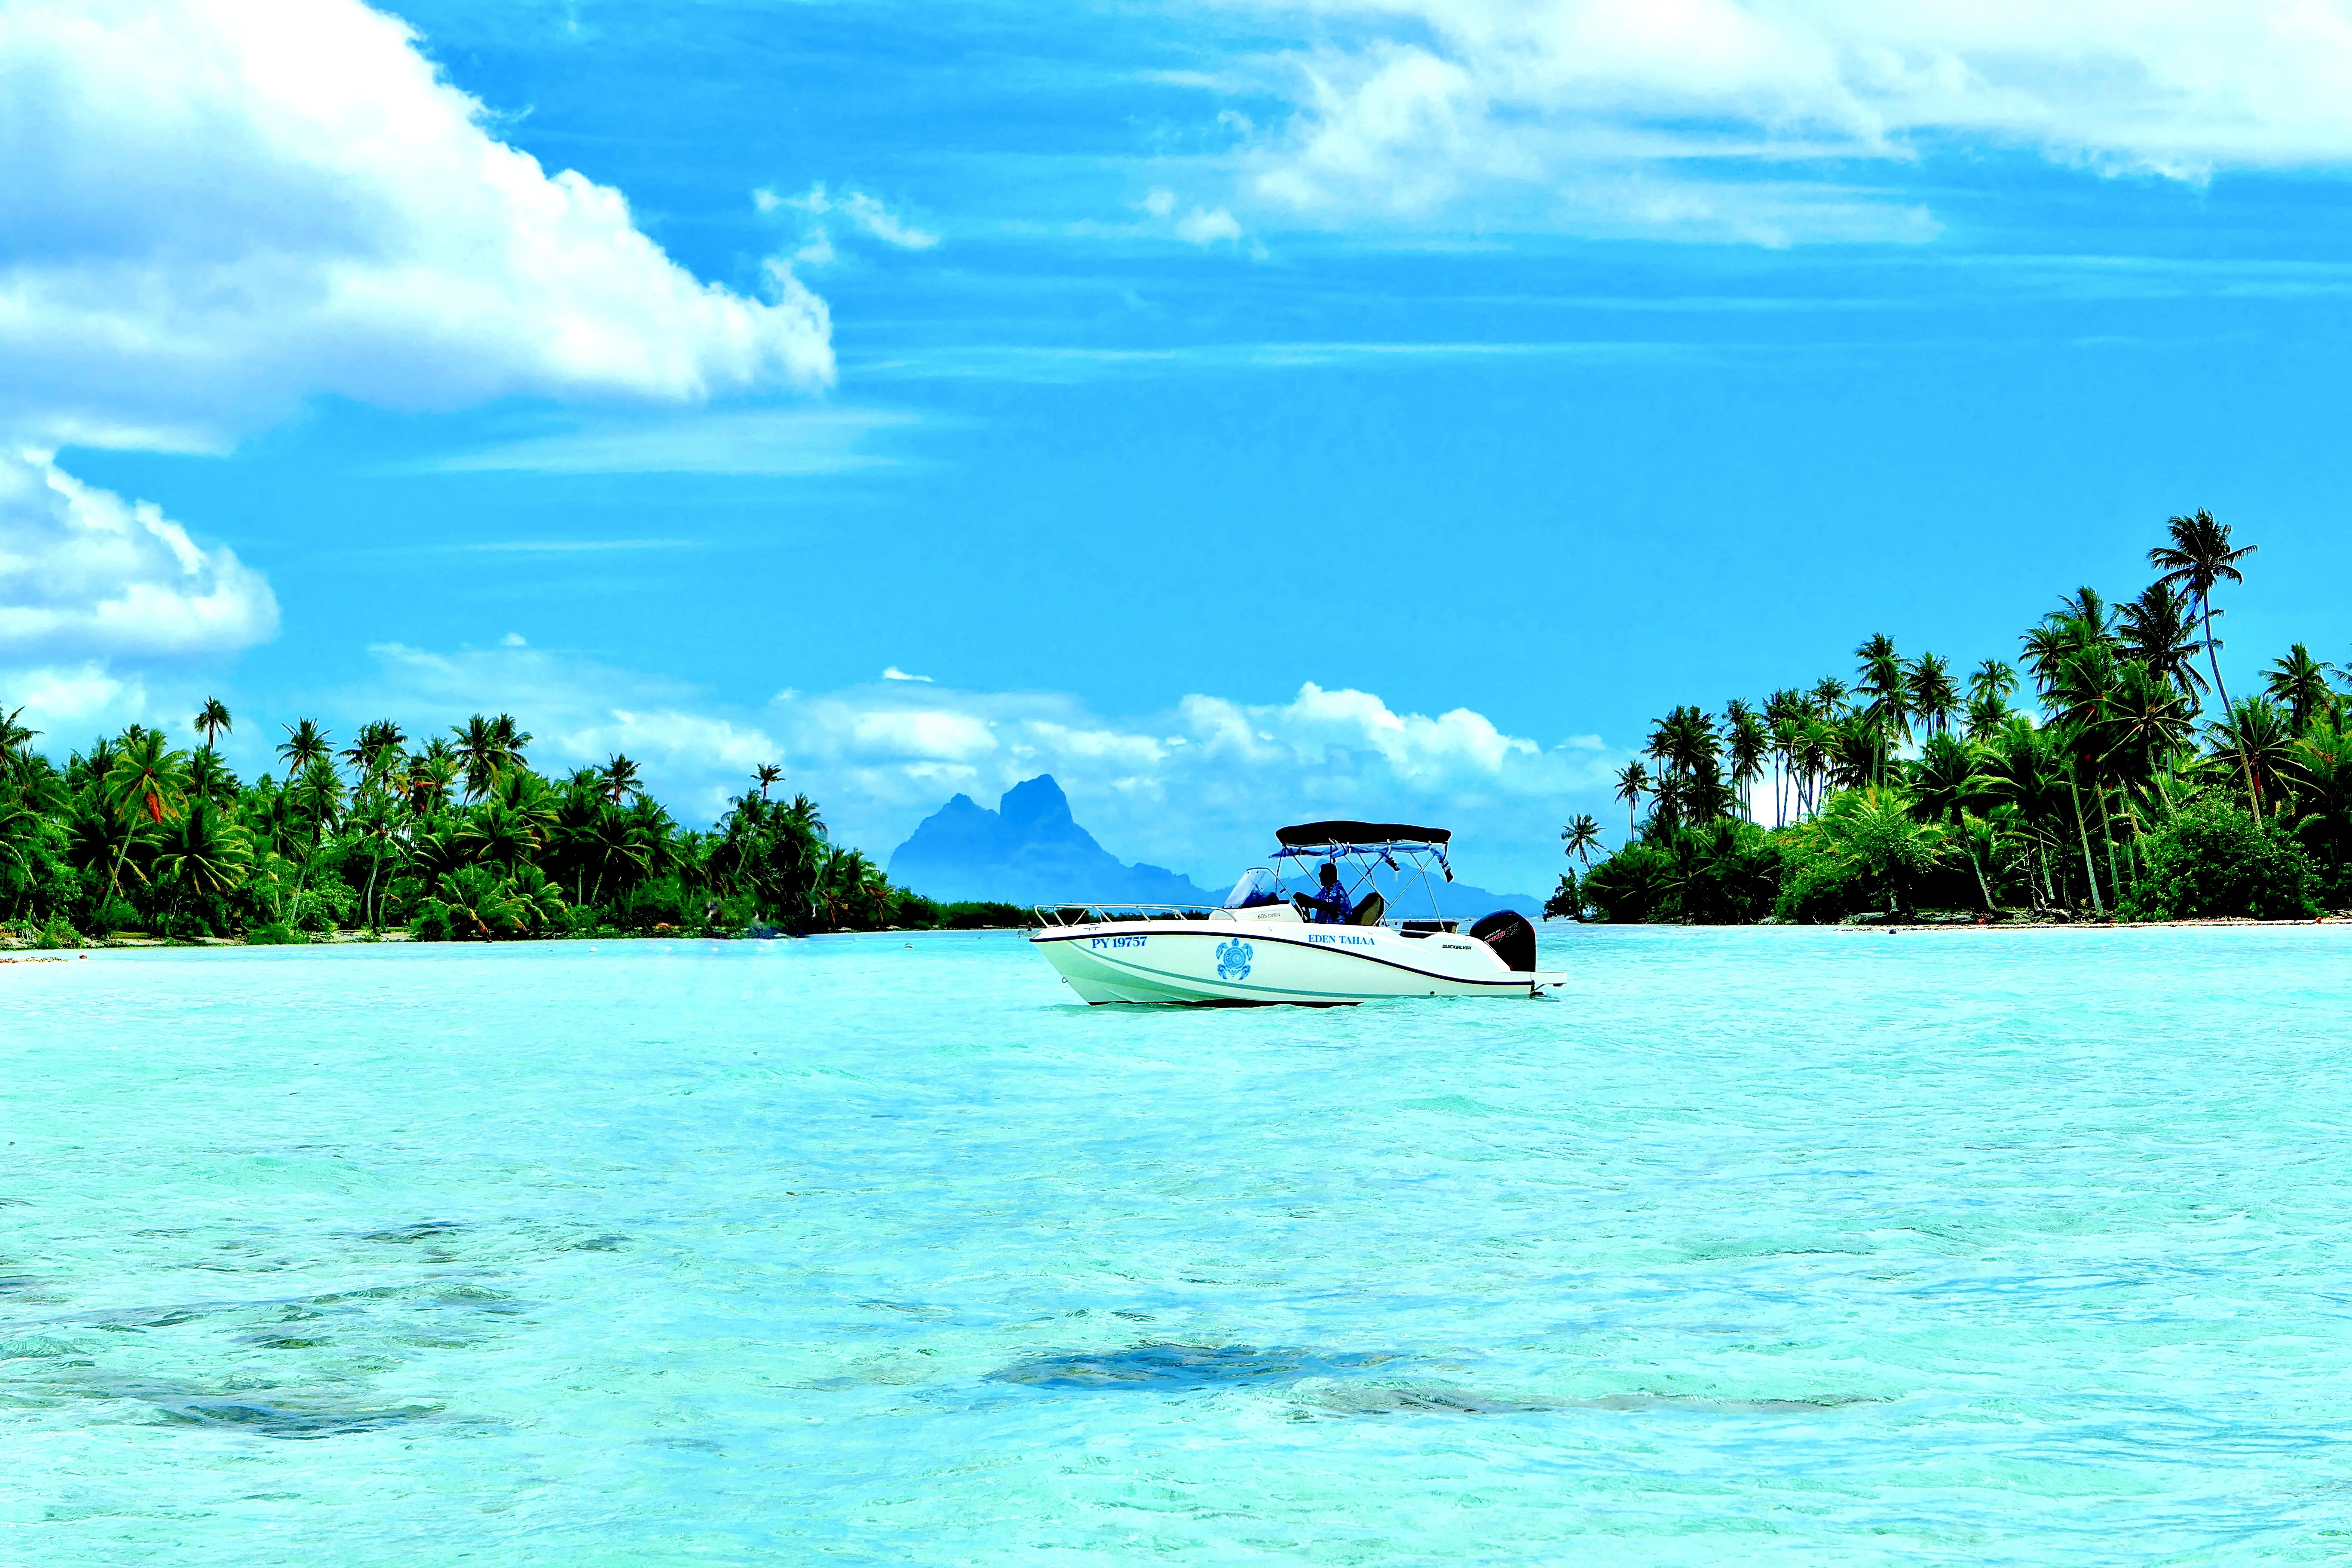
<point>1103,913</point>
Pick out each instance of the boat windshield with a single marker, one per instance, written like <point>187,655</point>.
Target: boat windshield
<point>1258,887</point>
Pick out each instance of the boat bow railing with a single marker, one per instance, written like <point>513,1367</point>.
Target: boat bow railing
<point>1104,914</point>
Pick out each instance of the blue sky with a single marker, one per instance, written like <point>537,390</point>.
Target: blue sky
<point>1243,411</point>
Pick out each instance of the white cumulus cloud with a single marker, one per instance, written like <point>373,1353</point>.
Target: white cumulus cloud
<point>217,207</point>
<point>83,571</point>
<point>212,209</point>
<point>1647,112</point>
<point>1199,786</point>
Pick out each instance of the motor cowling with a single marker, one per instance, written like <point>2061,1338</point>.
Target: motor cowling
<point>1511,937</point>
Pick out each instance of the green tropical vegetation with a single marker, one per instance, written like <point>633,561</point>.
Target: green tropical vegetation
<point>2128,785</point>
<point>453,838</point>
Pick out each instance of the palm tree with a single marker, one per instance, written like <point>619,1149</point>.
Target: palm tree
<point>2257,739</point>
<point>1945,782</point>
<point>214,722</point>
<point>1784,717</point>
<point>378,839</point>
<point>1881,680</point>
<point>1855,747</point>
<point>477,750</point>
<point>204,853</point>
<point>317,798</point>
<point>379,741</point>
<point>511,741</point>
<point>1633,784</point>
<point>1929,692</point>
<point>209,778</point>
<point>305,743</point>
<point>620,778</point>
<point>2065,633</point>
<point>1582,836</point>
<point>2083,691</point>
<point>2087,606</point>
<point>2022,767</point>
<point>480,902</point>
<point>1685,742</point>
<point>2200,558</point>
<point>145,776</point>
<point>1876,831</point>
<point>1745,744</point>
<point>2159,630</point>
<point>1993,681</point>
<point>488,747</point>
<point>2299,684</point>
<point>2148,723</point>
<point>767,775</point>
<point>432,777</point>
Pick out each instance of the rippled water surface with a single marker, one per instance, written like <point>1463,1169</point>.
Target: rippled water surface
<point>1754,1246</point>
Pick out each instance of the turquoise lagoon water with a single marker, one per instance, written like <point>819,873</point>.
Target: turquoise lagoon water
<point>1754,1246</point>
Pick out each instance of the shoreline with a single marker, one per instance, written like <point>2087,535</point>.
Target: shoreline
<point>2202,922</point>
<point>11,953</point>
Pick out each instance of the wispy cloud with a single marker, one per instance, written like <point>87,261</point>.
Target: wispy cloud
<point>1736,118</point>
<point>1197,225</point>
<point>775,441</point>
<point>570,546</point>
<point>1057,363</point>
<point>862,212</point>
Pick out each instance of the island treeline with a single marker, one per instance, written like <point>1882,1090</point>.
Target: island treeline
<point>2124,782</point>
<point>456,837</point>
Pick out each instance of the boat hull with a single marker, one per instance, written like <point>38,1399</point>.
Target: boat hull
<point>1213,963</point>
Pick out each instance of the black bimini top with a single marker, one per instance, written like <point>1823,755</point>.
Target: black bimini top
<point>1314,835</point>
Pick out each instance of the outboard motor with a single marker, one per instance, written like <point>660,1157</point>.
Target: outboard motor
<point>1513,940</point>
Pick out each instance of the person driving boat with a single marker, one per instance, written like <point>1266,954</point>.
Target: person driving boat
<point>1327,905</point>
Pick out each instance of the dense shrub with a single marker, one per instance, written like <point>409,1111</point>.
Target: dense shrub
<point>2214,860</point>
<point>981,915</point>
<point>1720,873</point>
<point>57,932</point>
<point>1566,901</point>
<point>1818,886</point>
<point>108,915</point>
<point>324,905</point>
<point>1633,886</point>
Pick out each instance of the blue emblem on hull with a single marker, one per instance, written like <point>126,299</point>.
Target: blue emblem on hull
<point>1232,960</point>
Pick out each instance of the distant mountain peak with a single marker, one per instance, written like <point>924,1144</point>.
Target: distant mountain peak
<point>1030,849</point>
<point>1037,803</point>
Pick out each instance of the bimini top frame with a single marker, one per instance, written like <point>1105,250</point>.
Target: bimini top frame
<point>1364,846</point>
<point>1361,848</point>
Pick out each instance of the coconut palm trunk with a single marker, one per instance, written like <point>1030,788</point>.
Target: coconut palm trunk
<point>2090,873</point>
<point>115,878</point>
<point>2107,832</point>
<point>2213,661</point>
<point>1984,889</point>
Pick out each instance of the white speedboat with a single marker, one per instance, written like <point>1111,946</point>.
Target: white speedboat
<point>1270,942</point>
